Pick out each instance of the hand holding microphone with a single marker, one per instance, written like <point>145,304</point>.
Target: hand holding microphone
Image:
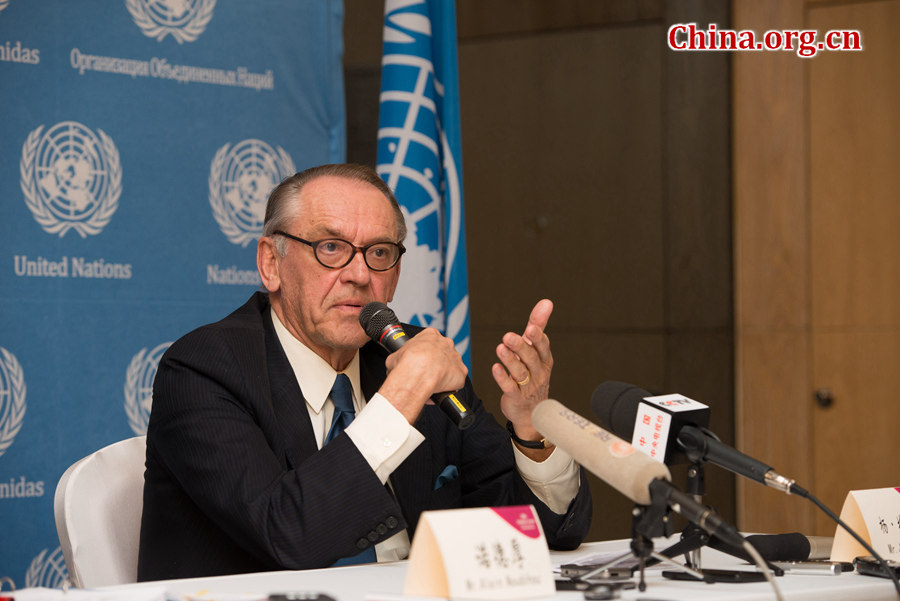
<point>381,325</point>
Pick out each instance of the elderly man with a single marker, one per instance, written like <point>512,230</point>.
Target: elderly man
<point>282,438</point>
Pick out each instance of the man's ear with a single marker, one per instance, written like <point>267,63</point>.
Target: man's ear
<point>268,262</point>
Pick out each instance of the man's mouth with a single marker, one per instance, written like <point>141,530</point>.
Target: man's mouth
<point>349,306</point>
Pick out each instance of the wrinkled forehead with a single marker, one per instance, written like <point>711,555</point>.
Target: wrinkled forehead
<point>335,204</point>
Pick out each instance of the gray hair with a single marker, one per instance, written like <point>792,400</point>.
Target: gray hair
<point>281,208</point>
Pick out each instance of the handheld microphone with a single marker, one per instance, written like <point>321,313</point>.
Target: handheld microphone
<point>620,405</point>
<point>381,325</point>
<point>623,467</point>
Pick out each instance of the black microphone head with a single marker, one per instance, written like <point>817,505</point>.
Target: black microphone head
<point>792,546</point>
<point>375,317</point>
<point>616,405</point>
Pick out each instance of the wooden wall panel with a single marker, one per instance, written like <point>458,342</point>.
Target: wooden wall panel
<point>771,265</point>
<point>855,250</point>
<point>697,220</point>
<point>854,171</point>
<point>561,147</point>
<point>773,426</point>
<point>817,280</point>
<point>596,173</point>
<point>493,18</point>
<point>855,438</point>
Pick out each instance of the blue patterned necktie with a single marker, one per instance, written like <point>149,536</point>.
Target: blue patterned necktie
<point>344,412</point>
<point>342,397</point>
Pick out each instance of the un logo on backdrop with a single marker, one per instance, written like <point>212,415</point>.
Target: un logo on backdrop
<point>47,570</point>
<point>71,178</point>
<point>240,179</point>
<point>12,398</point>
<point>184,20</point>
<point>139,387</point>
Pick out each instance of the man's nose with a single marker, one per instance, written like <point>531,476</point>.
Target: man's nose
<point>357,269</point>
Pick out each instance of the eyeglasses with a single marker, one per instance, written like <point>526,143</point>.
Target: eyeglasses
<point>335,253</point>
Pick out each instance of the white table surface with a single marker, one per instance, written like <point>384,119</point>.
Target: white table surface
<point>384,582</point>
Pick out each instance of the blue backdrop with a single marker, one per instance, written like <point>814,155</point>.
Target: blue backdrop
<point>138,142</point>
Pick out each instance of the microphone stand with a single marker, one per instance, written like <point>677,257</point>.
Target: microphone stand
<point>694,538</point>
<point>647,523</point>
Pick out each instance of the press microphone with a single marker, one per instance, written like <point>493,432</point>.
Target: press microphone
<point>621,406</point>
<point>651,422</point>
<point>381,325</point>
<point>623,467</point>
<point>792,546</point>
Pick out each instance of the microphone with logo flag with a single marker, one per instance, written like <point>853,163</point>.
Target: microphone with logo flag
<point>618,463</point>
<point>682,424</point>
<point>672,427</point>
<point>638,477</point>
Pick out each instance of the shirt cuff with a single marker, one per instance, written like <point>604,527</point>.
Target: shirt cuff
<point>383,436</point>
<point>555,481</point>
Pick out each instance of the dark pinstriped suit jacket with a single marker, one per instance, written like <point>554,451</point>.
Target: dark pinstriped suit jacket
<point>234,481</point>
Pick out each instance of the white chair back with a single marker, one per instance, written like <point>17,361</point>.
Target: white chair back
<point>97,507</point>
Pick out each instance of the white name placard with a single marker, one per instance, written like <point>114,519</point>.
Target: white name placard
<point>875,515</point>
<point>480,553</point>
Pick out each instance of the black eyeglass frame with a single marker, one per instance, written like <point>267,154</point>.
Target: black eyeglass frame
<point>356,249</point>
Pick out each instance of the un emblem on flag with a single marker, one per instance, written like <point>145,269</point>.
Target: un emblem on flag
<point>184,20</point>
<point>240,180</point>
<point>418,165</point>
<point>139,387</point>
<point>47,570</point>
<point>71,178</point>
<point>12,398</point>
<point>418,157</point>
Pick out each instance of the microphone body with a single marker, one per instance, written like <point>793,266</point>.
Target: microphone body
<point>698,514</point>
<point>623,467</point>
<point>605,455</point>
<point>619,405</point>
<point>381,325</point>
<point>793,546</point>
<point>714,451</point>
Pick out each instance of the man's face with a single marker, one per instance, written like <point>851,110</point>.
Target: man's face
<point>321,306</point>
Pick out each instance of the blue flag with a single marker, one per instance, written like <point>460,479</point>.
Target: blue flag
<point>420,158</point>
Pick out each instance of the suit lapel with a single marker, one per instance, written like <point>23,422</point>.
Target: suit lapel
<point>371,368</point>
<point>288,401</point>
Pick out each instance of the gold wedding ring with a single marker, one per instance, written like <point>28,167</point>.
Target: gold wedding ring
<point>525,381</point>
